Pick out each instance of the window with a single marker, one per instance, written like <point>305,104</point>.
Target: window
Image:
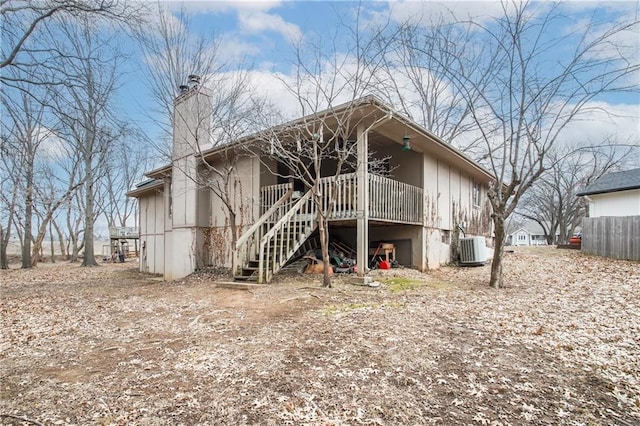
<point>522,237</point>
<point>476,194</point>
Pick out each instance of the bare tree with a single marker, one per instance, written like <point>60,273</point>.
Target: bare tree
<point>25,46</point>
<point>521,98</point>
<point>552,202</point>
<point>24,131</point>
<point>8,199</point>
<point>232,117</point>
<point>418,85</point>
<point>322,145</point>
<point>124,166</point>
<point>35,55</point>
<point>172,52</point>
<point>89,123</point>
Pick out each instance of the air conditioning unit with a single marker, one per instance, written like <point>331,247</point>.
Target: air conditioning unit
<point>472,251</point>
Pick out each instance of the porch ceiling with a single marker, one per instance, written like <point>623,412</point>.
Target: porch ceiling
<point>424,142</point>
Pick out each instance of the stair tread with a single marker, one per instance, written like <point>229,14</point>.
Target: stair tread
<point>285,242</point>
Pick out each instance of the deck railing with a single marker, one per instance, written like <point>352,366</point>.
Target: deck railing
<point>123,232</point>
<point>269,195</point>
<point>389,200</point>
<point>343,187</point>
<point>395,201</point>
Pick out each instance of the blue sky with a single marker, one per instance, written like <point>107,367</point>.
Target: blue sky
<point>261,31</point>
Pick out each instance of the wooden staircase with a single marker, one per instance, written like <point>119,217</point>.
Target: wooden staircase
<point>271,242</point>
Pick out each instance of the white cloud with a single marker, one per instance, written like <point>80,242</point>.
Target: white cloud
<point>259,21</point>
<point>233,49</point>
<point>51,145</point>
<point>218,6</point>
<point>273,87</point>
<point>600,120</point>
<point>432,11</point>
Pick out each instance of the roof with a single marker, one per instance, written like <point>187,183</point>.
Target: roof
<point>529,227</point>
<point>614,182</point>
<point>159,173</point>
<point>374,109</point>
<point>146,187</point>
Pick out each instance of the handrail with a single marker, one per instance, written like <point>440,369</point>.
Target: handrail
<point>264,218</point>
<point>280,233</point>
<point>269,195</point>
<point>283,229</point>
<point>240,253</point>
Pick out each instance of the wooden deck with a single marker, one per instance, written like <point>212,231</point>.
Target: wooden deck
<point>389,200</point>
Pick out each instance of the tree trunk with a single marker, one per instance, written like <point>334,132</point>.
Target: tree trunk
<point>89,255</point>
<point>5,234</point>
<point>234,236</point>
<point>28,212</point>
<point>323,232</point>
<point>63,248</point>
<point>496,280</point>
<point>75,249</point>
<point>4,240</point>
<point>53,252</point>
<point>37,248</point>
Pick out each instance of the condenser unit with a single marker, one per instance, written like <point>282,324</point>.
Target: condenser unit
<point>472,251</point>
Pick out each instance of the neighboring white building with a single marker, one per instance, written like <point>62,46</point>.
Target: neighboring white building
<point>613,224</point>
<point>614,194</point>
<point>529,234</point>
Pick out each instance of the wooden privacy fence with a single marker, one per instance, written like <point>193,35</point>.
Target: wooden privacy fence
<point>615,237</point>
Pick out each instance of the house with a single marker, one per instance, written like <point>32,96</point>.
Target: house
<point>613,223</point>
<point>528,234</point>
<point>430,191</point>
<point>614,194</point>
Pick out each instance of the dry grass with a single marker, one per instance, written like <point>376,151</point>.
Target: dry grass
<point>560,345</point>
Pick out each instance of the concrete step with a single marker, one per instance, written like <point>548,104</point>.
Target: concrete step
<point>246,278</point>
<point>235,285</point>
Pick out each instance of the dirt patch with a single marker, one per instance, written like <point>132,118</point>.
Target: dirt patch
<point>108,345</point>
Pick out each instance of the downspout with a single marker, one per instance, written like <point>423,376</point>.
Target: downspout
<point>378,122</point>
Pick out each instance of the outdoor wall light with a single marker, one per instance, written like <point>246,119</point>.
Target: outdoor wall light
<point>406,146</point>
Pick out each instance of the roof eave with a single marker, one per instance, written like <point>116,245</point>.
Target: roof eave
<point>160,172</point>
<point>608,191</point>
<point>143,190</point>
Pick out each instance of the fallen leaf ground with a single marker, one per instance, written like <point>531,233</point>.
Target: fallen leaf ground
<point>107,345</point>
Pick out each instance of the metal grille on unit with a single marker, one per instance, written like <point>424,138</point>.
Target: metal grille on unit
<point>472,251</point>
